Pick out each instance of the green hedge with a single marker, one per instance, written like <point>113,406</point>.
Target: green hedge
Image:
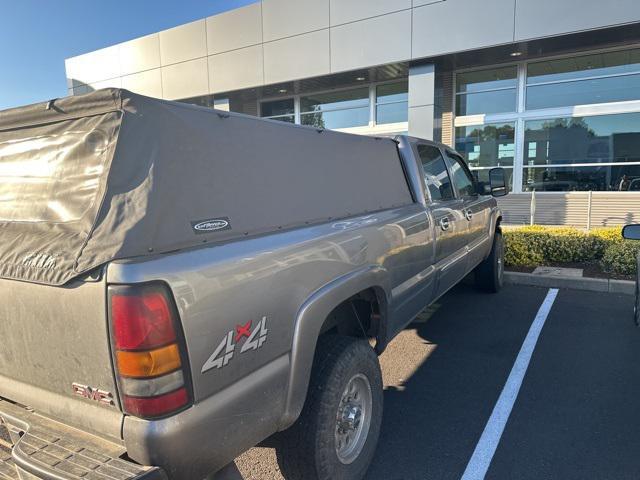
<point>538,245</point>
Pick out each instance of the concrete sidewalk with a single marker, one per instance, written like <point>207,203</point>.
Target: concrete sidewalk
<point>625,287</point>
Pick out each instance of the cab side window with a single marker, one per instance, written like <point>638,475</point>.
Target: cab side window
<point>436,177</point>
<point>461,176</point>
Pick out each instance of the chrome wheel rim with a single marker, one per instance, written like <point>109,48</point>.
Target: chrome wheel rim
<point>353,419</point>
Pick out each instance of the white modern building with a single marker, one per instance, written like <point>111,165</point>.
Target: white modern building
<point>548,89</point>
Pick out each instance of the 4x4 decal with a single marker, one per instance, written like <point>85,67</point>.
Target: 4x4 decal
<point>224,351</point>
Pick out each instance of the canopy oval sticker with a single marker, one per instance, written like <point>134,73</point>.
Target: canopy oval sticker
<point>211,225</point>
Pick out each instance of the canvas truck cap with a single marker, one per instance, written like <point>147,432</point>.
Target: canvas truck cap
<point>111,174</point>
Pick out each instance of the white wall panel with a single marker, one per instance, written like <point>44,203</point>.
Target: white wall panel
<point>457,25</point>
<point>297,57</point>
<point>235,29</point>
<point>284,18</point>
<point>236,69</point>
<point>145,83</point>
<point>541,18</point>
<point>112,83</point>
<point>375,41</point>
<point>185,80</point>
<point>344,11</point>
<point>140,54</point>
<point>182,43</point>
<point>95,66</point>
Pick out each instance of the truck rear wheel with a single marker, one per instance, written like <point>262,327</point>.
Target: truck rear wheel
<point>490,273</point>
<point>636,307</point>
<point>337,432</point>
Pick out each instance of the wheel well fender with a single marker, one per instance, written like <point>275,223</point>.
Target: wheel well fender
<point>309,324</point>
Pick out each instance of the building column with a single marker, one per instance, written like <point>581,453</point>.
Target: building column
<point>422,82</point>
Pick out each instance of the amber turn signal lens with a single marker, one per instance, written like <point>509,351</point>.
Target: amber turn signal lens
<point>150,363</point>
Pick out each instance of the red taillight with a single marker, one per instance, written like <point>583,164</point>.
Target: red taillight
<point>141,322</point>
<point>147,352</point>
<point>156,406</point>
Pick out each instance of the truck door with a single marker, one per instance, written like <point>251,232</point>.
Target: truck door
<point>477,208</point>
<point>451,226</point>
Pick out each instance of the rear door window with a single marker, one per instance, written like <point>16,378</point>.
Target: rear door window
<point>434,170</point>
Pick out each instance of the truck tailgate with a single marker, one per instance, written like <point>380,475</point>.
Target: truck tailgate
<point>52,338</point>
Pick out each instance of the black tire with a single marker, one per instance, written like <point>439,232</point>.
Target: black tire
<point>489,274</point>
<point>636,307</point>
<point>308,449</point>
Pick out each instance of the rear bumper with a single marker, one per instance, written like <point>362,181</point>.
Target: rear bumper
<point>34,447</point>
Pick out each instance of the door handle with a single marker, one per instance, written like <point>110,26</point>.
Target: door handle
<point>444,223</point>
<point>468,214</point>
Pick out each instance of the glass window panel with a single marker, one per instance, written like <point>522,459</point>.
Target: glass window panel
<point>487,145</point>
<point>392,113</point>
<point>354,117</point>
<point>601,90</point>
<point>567,179</point>
<point>277,107</point>
<point>586,66</point>
<point>499,101</point>
<point>478,81</point>
<point>598,139</point>
<point>462,179</point>
<point>436,177</point>
<point>392,92</point>
<point>335,100</point>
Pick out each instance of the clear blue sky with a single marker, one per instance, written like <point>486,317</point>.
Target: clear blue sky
<point>37,35</point>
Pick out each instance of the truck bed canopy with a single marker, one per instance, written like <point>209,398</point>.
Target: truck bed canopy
<point>110,175</point>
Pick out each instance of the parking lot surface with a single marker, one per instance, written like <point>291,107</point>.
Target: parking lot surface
<point>577,413</point>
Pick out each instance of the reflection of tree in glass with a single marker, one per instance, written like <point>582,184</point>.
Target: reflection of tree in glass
<point>314,119</point>
<point>489,138</point>
<point>567,123</point>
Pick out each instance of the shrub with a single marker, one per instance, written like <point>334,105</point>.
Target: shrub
<point>608,234</point>
<point>621,257</point>
<point>538,245</point>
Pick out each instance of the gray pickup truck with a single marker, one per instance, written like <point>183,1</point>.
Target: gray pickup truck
<point>178,284</point>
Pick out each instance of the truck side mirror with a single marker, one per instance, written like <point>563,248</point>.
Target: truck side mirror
<point>631,232</point>
<point>497,182</point>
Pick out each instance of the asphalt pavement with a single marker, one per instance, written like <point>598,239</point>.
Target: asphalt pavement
<point>577,413</point>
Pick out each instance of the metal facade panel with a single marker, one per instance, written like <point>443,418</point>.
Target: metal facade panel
<point>284,18</point>
<point>94,66</point>
<point>422,85</point>
<point>345,11</point>
<point>542,18</point>
<point>185,80</point>
<point>145,83</point>
<point>139,55</point>
<point>419,3</point>
<point>183,43</point>
<point>234,29</point>
<point>298,57</point>
<point>458,25</point>
<point>421,120</point>
<point>236,69</point>
<point>375,41</point>
<point>111,83</point>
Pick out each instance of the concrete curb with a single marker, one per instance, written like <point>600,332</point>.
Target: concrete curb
<point>624,287</point>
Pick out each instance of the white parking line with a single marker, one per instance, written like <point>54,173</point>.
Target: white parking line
<point>486,447</point>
